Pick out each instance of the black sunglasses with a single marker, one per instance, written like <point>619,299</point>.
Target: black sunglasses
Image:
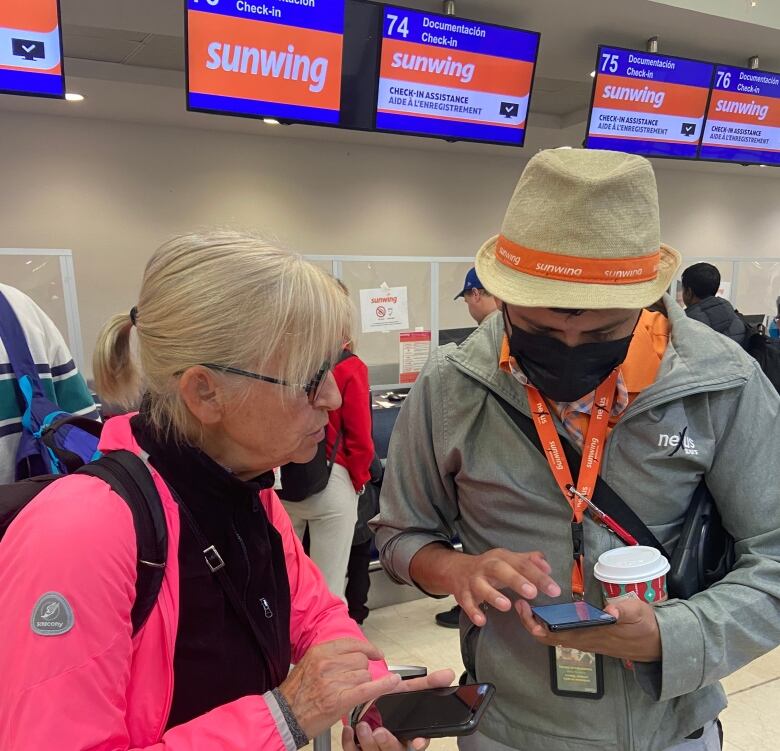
<point>311,389</point>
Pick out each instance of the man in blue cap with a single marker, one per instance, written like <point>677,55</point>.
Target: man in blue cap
<point>481,303</point>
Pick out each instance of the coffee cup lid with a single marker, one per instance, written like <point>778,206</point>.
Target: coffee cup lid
<point>630,565</point>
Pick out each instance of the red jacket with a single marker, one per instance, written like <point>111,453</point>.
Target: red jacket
<point>356,448</point>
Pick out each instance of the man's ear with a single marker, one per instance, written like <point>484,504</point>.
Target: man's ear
<point>201,391</point>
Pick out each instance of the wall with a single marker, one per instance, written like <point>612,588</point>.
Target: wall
<point>112,192</point>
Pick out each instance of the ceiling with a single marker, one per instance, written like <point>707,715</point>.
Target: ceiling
<point>127,58</point>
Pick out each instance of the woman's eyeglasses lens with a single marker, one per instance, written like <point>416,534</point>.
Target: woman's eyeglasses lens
<point>314,386</point>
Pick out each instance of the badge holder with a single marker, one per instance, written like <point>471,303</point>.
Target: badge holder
<point>575,674</point>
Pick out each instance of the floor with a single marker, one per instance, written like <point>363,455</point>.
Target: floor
<point>408,635</point>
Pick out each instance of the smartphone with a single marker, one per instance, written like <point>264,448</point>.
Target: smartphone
<point>567,615</point>
<point>430,713</point>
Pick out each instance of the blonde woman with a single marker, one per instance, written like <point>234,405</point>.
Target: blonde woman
<point>234,339</point>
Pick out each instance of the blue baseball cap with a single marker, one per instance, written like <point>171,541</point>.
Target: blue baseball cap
<point>471,282</point>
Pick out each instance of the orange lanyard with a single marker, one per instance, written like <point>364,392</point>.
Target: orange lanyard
<point>592,452</point>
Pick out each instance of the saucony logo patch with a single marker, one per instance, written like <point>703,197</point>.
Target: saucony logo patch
<point>52,615</point>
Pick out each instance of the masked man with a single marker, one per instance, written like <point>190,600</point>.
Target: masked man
<point>658,402</point>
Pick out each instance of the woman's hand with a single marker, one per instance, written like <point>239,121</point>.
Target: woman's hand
<point>380,739</point>
<point>635,636</point>
<point>330,680</point>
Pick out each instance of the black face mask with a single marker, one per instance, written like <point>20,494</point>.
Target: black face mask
<point>560,372</point>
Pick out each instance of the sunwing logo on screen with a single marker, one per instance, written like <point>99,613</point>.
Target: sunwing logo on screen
<point>288,65</point>
<point>743,108</point>
<point>442,66</point>
<point>631,94</point>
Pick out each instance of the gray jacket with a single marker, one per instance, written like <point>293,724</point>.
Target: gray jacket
<point>719,314</point>
<point>458,465</point>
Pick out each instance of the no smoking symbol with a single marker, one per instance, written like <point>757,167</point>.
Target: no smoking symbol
<point>381,312</point>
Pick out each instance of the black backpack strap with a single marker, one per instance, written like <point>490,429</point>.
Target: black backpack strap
<point>128,475</point>
<point>603,495</point>
<point>335,452</point>
<point>217,567</point>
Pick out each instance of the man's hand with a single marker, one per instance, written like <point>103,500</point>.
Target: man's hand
<point>634,637</point>
<point>475,579</point>
<point>330,680</point>
<point>380,739</point>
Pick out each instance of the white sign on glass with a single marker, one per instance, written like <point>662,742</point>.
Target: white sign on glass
<point>384,309</point>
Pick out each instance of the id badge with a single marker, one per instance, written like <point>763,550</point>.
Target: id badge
<point>576,674</point>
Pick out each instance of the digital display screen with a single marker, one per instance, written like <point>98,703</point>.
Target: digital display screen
<point>31,48</point>
<point>274,58</point>
<point>452,78</point>
<point>743,119</point>
<point>648,104</point>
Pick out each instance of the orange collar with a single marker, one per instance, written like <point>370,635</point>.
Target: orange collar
<point>640,367</point>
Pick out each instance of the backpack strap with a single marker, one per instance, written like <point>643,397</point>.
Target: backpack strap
<point>128,475</point>
<point>68,461</point>
<point>12,334</point>
<point>335,452</point>
<point>20,358</point>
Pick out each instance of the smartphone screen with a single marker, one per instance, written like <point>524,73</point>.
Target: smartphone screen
<point>428,711</point>
<point>572,615</point>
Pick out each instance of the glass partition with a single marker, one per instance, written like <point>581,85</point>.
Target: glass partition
<point>757,286</point>
<point>430,283</point>
<point>752,285</point>
<point>47,277</point>
<point>380,349</point>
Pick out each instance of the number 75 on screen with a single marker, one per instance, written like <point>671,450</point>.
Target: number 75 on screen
<point>609,62</point>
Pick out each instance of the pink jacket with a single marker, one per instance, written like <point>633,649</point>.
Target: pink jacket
<point>96,688</point>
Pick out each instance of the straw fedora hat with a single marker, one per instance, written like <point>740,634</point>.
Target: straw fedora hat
<point>581,231</point>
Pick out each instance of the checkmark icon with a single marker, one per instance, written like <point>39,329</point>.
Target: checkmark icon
<point>28,49</point>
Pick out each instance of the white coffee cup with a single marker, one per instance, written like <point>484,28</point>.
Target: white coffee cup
<point>633,571</point>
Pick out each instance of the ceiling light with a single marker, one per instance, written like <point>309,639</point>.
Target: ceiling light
<point>593,74</point>
<point>73,97</point>
<point>270,121</point>
<point>762,165</point>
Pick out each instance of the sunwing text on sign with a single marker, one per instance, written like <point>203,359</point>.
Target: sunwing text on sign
<point>743,120</point>
<point>30,49</point>
<point>279,58</point>
<point>648,104</point>
<point>445,76</point>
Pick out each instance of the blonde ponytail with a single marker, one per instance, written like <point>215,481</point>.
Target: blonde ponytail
<point>220,297</point>
<point>116,375</point>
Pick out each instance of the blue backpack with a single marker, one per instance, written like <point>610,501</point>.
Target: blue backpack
<point>53,442</point>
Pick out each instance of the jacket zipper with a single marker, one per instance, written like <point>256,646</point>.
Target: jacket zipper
<point>246,560</point>
<point>169,645</point>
